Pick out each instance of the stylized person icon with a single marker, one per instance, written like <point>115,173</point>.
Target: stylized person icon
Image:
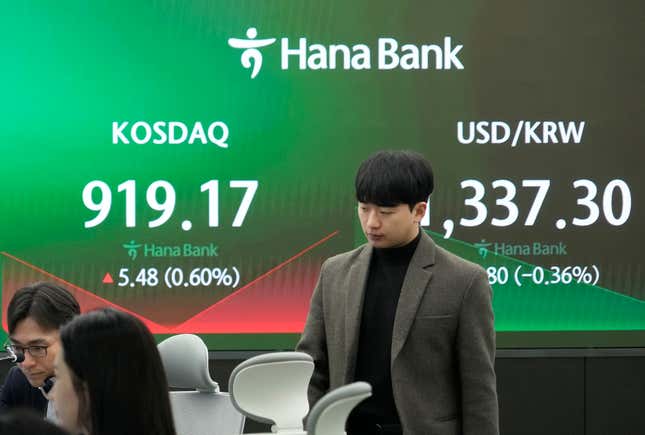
<point>482,248</point>
<point>132,249</point>
<point>251,56</point>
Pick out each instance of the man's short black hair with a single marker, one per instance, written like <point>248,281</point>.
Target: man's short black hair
<point>49,304</point>
<point>390,178</point>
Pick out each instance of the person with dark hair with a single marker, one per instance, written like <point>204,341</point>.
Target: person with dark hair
<point>26,422</point>
<point>109,378</point>
<point>34,317</point>
<point>404,315</point>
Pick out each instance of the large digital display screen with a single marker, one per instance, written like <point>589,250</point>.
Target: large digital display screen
<point>193,162</point>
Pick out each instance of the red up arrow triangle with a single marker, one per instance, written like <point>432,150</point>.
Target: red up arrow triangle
<point>107,279</point>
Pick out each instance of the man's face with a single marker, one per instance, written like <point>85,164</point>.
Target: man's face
<point>29,333</point>
<point>390,227</point>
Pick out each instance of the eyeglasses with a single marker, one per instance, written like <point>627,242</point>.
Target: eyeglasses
<point>34,351</point>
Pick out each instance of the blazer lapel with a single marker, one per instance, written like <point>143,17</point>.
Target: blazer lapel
<point>354,309</point>
<point>414,287</point>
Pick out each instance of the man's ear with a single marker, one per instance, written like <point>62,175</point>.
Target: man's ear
<point>419,210</point>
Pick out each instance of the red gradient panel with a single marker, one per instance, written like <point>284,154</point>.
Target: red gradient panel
<point>18,272</point>
<point>276,304</point>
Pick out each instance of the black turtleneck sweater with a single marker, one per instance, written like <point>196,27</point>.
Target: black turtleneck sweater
<point>387,271</point>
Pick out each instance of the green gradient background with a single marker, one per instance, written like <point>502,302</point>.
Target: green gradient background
<point>70,69</point>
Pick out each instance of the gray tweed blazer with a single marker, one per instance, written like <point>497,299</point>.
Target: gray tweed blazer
<point>443,343</point>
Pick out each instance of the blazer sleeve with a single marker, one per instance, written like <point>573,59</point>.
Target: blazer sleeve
<point>476,351</point>
<point>314,342</point>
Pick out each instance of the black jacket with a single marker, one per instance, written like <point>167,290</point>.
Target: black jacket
<point>17,392</point>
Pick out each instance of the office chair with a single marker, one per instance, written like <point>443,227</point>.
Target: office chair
<point>329,414</point>
<point>272,388</point>
<point>203,409</point>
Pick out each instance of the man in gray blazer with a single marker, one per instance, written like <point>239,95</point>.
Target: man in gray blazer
<point>405,315</point>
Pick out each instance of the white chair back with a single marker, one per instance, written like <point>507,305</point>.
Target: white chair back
<point>203,410</point>
<point>272,388</point>
<point>329,414</point>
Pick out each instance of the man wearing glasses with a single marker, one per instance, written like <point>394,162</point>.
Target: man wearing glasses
<point>34,316</point>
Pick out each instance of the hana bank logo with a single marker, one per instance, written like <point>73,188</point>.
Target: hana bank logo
<point>251,56</point>
<point>384,53</point>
